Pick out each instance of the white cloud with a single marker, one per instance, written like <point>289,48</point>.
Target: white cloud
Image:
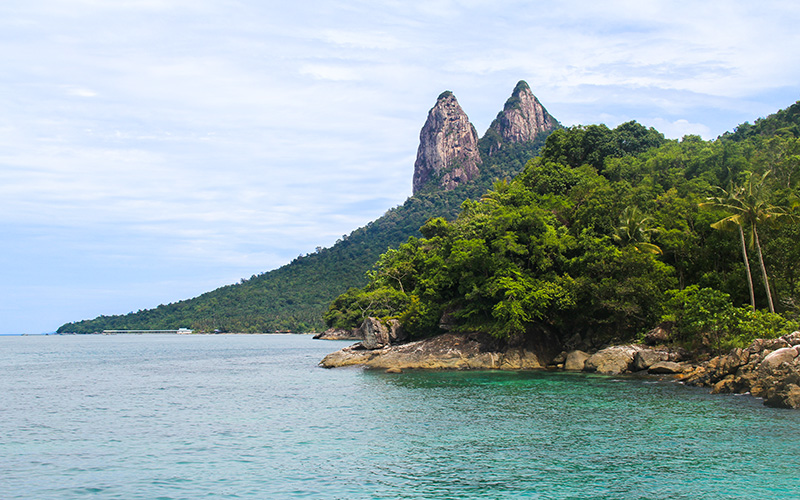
<point>330,72</point>
<point>678,128</point>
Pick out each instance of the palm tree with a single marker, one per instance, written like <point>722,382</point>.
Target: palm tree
<point>748,208</point>
<point>499,188</point>
<point>634,229</point>
<point>727,200</point>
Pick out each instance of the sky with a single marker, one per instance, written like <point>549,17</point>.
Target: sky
<point>153,150</point>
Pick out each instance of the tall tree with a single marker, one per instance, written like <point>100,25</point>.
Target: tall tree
<point>748,207</point>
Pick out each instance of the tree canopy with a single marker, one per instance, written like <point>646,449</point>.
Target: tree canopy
<point>597,237</point>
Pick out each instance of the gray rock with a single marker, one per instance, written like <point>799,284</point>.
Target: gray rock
<point>665,367</point>
<point>645,358</point>
<point>449,351</point>
<point>374,333</point>
<point>448,147</point>
<point>612,360</point>
<point>575,361</point>
<point>773,360</point>
<point>339,334</point>
<point>397,333</point>
<point>522,119</point>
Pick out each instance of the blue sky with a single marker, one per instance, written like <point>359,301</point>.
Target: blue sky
<point>152,150</point>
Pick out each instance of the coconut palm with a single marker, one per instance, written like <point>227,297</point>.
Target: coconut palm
<point>634,229</point>
<point>748,208</point>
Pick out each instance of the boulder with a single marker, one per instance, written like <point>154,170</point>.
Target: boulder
<point>560,359</point>
<point>658,335</point>
<point>645,358</point>
<point>520,359</point>
<point>397,333</point>
<point>575,361</point>
<point>374,333</point>
<point>612,360</point>
<point>768,369</point>
<point>349,356</point>
<point>774,359</point>
<point>665,367</point>
<point>724,386</point>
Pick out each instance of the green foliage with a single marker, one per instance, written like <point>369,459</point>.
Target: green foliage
<point>707,316</point>
<point>757,324</point>
<point>785,122</point>
<point>593,144</point>
<point>700,313</point>
<point>603,236</point>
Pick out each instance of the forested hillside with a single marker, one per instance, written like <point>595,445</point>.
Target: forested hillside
<point>295,296</point>
<point>608,233</point>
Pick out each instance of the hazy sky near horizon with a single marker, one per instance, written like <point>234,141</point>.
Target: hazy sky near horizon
<point>152,150</point>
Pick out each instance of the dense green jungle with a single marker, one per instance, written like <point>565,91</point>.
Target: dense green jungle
<point>606,234</point>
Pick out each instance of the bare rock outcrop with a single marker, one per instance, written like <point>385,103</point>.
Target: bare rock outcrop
<point>449,351</point>
<point>340,334</point>
<point>666,368</point>
<point>612,360</point>
<point>523,118</point>
<point>377,335</point>
<point>768,368</point>
<point>448,147</point>
<point>575,361</point>
<point>646,358</point>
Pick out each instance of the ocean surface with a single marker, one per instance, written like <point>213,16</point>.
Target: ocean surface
<point>253,416</point>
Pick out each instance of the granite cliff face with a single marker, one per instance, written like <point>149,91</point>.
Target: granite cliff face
<point>449,152</point>
<point>448,147</point>
<point>522,119</point>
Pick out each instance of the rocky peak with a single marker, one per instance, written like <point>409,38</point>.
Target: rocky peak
<point>522,119</point>
<point>448,147</point>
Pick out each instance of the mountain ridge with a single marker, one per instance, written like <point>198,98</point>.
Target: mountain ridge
<point>294,297</point>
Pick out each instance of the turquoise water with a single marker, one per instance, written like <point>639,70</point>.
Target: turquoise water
<point>186,417</point>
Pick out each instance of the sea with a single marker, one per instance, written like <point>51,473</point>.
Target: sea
<point>254,416</point>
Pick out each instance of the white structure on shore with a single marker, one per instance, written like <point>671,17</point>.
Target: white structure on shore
<point>139,332</point>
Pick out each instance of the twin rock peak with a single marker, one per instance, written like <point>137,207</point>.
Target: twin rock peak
<point>449,153</point>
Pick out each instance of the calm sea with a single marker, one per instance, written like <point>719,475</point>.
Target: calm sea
<point>252,416</point>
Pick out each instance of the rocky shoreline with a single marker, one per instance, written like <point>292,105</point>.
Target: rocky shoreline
<point>769,369</point>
